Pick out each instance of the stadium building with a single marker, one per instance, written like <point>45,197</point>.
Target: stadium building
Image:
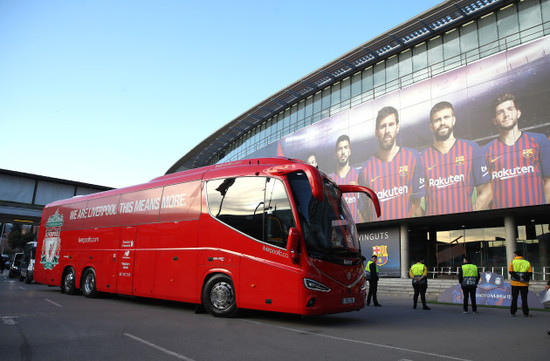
<point>445,116</point>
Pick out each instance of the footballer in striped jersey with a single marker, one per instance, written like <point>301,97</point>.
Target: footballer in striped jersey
<point>453,168</point>
<point>345,174</point>
<point>394,172</point>
<point>518,161</point>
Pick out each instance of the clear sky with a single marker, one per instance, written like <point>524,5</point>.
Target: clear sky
<point>114,92</point>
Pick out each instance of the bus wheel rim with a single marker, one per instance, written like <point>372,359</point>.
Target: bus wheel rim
<point>222,296</point>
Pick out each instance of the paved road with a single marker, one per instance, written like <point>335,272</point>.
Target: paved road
<point>39,323</point>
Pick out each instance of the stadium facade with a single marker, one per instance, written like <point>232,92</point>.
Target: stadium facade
<point>445,116</point>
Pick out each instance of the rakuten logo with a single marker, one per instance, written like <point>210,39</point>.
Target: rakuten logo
<point>388,194</point>
<point>446,182</point>
<point>506,173</point>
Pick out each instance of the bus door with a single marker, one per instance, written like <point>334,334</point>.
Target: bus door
<point>260,210</point>
<point>125,260</point>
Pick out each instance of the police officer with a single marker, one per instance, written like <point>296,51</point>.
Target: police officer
<point>468,277</point>
<point>520,271</point>
<point>419,274</point>
<point>371,271</point>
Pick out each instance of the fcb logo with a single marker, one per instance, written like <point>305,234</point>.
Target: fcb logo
<point>404,170</point>
<point>527,153</point>
<point>382,253</point>
<point>459,160</point>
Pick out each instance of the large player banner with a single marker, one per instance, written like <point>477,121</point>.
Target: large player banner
<point>473,138</point>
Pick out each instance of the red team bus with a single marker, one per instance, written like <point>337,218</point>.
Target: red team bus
<point>266,234</point>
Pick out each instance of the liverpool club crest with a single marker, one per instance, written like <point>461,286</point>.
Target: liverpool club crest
<point>52,241</point>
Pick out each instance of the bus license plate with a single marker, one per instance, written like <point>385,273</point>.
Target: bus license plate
<point>347,301</point>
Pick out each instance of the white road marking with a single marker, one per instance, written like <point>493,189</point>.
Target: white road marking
<point>160,348</point>
<point>9,320</point>
<point>360,342</point>
<point>53,303</point>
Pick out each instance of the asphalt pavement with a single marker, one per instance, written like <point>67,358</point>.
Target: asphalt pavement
<point>38,322</point>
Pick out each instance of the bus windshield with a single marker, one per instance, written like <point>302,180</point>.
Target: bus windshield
<point>327,226</point>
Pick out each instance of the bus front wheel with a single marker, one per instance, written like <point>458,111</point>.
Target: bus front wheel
<point>89,283</point>
<point>218,296</point>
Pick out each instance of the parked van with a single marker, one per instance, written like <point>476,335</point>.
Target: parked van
<point>27,263</point>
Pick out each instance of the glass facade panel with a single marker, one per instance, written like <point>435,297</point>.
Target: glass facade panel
<point>545,10</point>
<point>508,27</point>
<point>325,103</point>
<point>316,107</point>
<point>468,42</point>
<point>451,50</point>
<point>356,89</point>
<point>405,68</point>
<point>345,93</point>
<point>367,83</point>
<point>420,62</point>
<point>530,20</point>
<point>487,35</point>
<point>435,56</point>
<point>335,98</point>
<point>379,78</point>
<point>392,74</point>
<point>301,113</point>
<point>308,110</point>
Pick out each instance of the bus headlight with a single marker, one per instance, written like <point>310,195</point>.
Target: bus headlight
<point>315,286</point>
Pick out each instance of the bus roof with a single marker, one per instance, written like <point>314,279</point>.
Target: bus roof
<point>273,166</point>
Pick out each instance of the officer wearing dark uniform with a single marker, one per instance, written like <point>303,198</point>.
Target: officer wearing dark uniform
<point>371,272</point>
<point>468,277</point>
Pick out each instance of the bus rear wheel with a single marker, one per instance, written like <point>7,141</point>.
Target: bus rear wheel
<point>68,286</point>
<point>218,296</point>
<point>89,283</point>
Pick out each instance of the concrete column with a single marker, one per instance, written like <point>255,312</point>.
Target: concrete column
<point>510,232</point>
<point>404,238</point>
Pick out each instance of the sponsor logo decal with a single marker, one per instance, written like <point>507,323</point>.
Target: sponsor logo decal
<point>52,241</point>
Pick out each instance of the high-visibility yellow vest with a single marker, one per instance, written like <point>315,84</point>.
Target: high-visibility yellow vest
<point>520,265</point>
<point>417,269</point>
<point>469,270</point>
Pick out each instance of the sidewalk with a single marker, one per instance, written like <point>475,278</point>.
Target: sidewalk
<point>402,288</point>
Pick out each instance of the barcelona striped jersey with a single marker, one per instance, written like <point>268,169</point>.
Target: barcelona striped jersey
<point>395,182</point>
<point>450,178</point>
<point>352,199</point>
<point>518,171</point>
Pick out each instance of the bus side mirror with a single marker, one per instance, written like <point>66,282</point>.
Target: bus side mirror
<point>346,188</point>
<point>292,244</point>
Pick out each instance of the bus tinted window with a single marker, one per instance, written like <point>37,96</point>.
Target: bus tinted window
<point>279,218</point>
<point>256,206</point>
